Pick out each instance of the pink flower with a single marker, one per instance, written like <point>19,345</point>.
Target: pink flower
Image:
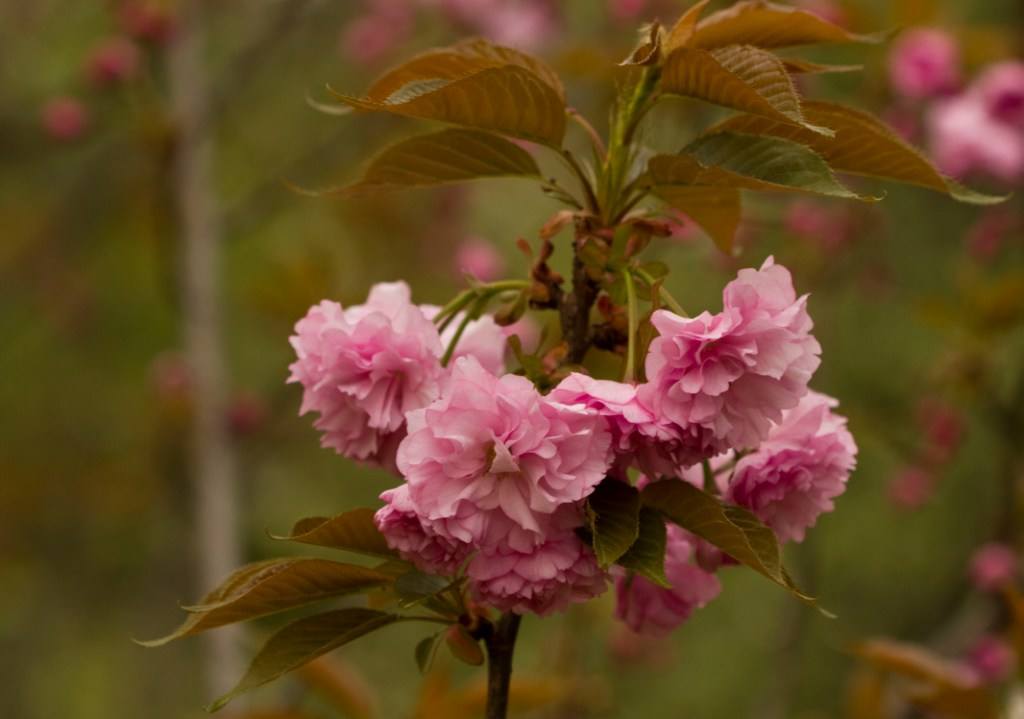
<point>499,459</point>
<point>943,429</point>
<point>721,380</point>
<point>993,566</point>
<point>797,472</point>
<point>523,25</point>
<point>528,332</point>
<point>479,259</point>
<point>1001,89</point>
<point>991,660</point>
<point>647,608</point>
<point>911,488</point>
<point>364,367</point>
<point>421,542</point>
<point>547,578</point>
<point>924,63</point>
<point>637,437</point>
<point>114,61</point>
<point>965,138</point>
<point>64,118</point>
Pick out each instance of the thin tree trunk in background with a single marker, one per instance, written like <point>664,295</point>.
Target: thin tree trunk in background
<point>212,462</point>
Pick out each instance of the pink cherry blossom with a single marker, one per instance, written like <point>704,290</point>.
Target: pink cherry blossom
<point>547,578</point>
<point>993,566</point>
<point>113,61</point>
<point>647,608</point>
<point>721,380</point>
<point>64,118</point>
<point>1001,89</point>
<point>528,332</point>
<point>965,138</point>
<point>638,438</point>
<point>797,472</point>
<point>499,458</point>
<point>364,367</point>
<point>479,259</point>
<point>417,540</point>
<point>924,63</point>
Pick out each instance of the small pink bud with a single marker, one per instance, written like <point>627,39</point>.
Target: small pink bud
<point>993,566</point>
<point>370,38</point>
<point>170,376</point>
<point>991,660</point>
<point>64,118</point>
<point>147,20</point>
<point>623,10</point>
<point>247,413</point>
<point>911,488</point>
<point>924,63</point>
<point>987,236</point>
<point>114,61</point>
<point>480,259</point>
<point>1002,88</point>
<point>943,429</point>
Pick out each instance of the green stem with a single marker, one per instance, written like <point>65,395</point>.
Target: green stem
<point>473,314</point>
<point>632,312</point>
<point>588,190</point>
<point>461,300</point>
<point>665,295</point>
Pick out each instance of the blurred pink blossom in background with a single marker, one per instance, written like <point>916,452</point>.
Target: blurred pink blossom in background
<point>924,63</point>
<point>911,488</point>
<point>480,259</point>
<point>385,25</point>
<point>967,138</point>
<point>991,660</point>
<point>1001,88</point>
<point>625,10</point>
<point>113,61</point>
<point>64,118</point>
<point>147,20</point>
<point>988,235</point>
<point>993,566</point>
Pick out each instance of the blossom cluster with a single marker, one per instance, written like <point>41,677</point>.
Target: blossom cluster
<point>973,128</point>
<point>496,474</point>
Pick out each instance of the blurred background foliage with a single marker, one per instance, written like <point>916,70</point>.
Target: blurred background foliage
<point>918,304</point>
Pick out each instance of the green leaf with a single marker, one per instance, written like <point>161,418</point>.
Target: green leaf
<point>303,641</point>
<point>613,511</point>
<point>476,85</point>
<point>458,60</point>
<point>463,646</point>
<point>768,25</point>
<point>353,531</point>
<point>748,162</point>
<point>718,210</point>
<point>647,555</point>
<point>732,529</point>
<point>426,649</point>
<point>443,158</point>
<point>269,587</point>
<point>796,66</point>
<point>740,77</point>
<point>416,587</point>
<point>862,145</point>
